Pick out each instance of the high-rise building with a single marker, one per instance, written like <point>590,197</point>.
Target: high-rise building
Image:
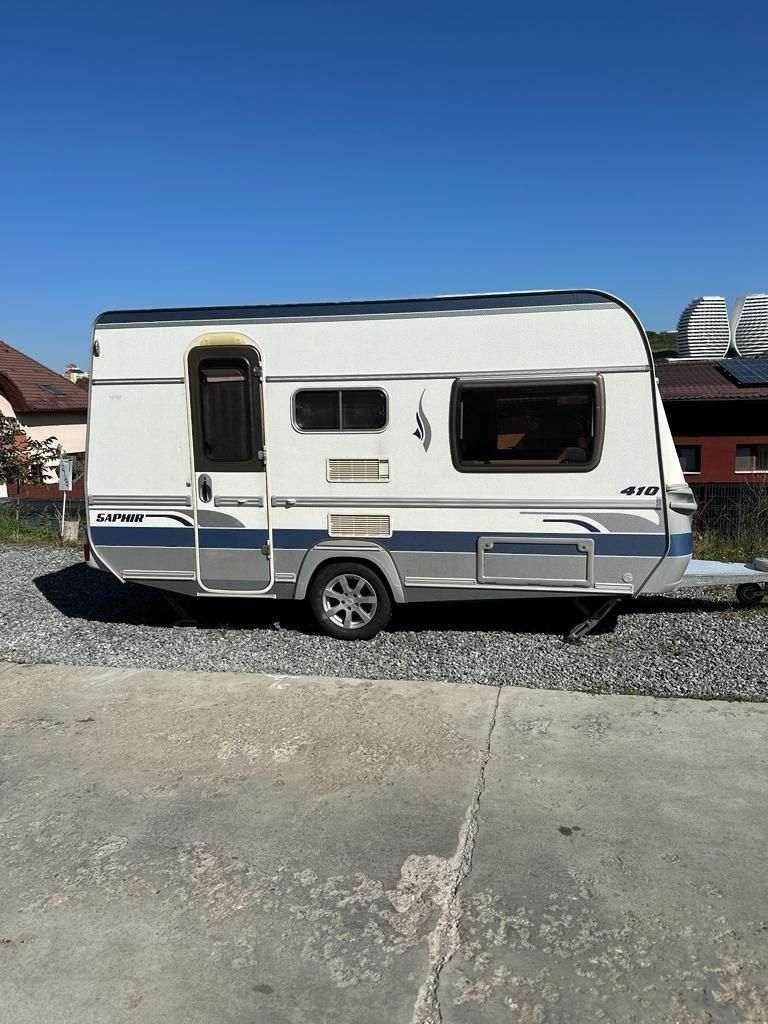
<point>703,331</point>
<point>750,325</point>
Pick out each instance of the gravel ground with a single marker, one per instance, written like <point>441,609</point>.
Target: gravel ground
<point>53,608</point>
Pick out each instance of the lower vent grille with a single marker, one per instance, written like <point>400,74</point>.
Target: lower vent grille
<point>359,526</point>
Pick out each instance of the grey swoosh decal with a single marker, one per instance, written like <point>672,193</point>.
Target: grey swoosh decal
<point>423,429</point>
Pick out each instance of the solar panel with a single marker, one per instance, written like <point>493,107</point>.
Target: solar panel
<point>747,373</point>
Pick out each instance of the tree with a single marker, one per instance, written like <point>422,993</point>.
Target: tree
<point>663,344</point>
<point>22,459</point>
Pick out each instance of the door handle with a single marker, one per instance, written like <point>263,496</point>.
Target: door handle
<point>204,488</point>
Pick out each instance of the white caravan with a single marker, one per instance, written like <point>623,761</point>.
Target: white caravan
<point>365,454</point>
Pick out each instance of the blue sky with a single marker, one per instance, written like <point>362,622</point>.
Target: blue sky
<point>160,154</point>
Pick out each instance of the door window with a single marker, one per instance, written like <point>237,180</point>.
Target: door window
<point>226,414</point>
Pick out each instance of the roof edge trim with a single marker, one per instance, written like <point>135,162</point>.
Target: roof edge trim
<point>371,307</point>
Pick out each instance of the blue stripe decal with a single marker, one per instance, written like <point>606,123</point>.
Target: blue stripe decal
<point>143,536</point>
<point>638,544</point>
<point>176,537</point>
<point>217,537</point>
<point>681,544</point>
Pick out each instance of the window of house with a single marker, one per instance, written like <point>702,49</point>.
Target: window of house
<point>340,409</point>
<point>512,427</point>
<point>690,457</point>
<point>752,458</point>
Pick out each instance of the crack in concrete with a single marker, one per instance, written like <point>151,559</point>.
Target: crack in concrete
<point>444,938</point>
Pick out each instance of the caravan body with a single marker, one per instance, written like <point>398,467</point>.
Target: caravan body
<point>461,447</point>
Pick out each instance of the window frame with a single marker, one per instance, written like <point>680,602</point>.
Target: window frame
<point>697,448</point>
<point>753,446</point>
<point>202,463</point>
<point>595,381</point>
<point>340,430</point>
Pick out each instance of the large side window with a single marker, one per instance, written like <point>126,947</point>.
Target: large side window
<point>225,412</point>
<point>350,410</point>
<point>526,427</point>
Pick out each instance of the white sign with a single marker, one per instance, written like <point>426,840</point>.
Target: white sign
<point>65,475</point>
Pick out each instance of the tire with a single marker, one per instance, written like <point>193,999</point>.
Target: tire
<point>350,601</point>
<point>749,595</point>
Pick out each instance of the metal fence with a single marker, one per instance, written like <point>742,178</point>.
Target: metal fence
<point>731,509</point>
<point>42,511</point>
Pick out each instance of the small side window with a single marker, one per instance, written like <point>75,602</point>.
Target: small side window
<point>317,410</point>
<point>349,410</point>
<point>525,427</point>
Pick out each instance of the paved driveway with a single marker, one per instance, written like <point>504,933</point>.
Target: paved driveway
<point>236,848</point>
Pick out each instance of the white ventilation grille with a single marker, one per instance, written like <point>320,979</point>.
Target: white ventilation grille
<point>359,526</point>
<point>357,471</point>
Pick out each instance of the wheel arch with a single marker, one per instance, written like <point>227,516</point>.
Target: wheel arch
<point>373,555</point>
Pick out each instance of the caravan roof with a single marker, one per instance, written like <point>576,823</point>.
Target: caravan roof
<point>366,308</point>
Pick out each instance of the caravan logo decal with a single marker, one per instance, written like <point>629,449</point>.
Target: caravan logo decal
<point>120,517</point>
<point>139,517</point>
<point>423,427</point>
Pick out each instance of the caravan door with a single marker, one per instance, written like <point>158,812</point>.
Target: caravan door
<point>229,479</point>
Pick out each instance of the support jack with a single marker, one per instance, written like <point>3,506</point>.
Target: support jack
<point>590,620</point>
<point>184,619</point>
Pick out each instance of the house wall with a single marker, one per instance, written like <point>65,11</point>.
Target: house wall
<point>51,491</point>
<point>7,410</point>
<point>69,430</point>
<point>717,428</point>
<point>718,458</point>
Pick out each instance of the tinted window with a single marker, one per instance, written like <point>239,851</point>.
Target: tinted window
<point>225,408</point>
<point>522,426</point>
<point>349,409</point>
<point>752,458</point>
<point>317,410</point>
<point>690,457</point>
<point>365,409</point>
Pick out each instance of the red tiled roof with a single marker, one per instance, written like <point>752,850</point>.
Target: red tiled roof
<point>694,380</point>
<point>26,384</point>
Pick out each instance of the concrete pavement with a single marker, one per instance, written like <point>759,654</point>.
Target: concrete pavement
<point>236,848</point>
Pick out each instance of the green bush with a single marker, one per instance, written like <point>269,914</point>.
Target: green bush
<point>15,529</point>
<point>744,546</point>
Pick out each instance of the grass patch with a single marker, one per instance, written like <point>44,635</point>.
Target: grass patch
<point>19,531</point>
<point>744,546</point>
